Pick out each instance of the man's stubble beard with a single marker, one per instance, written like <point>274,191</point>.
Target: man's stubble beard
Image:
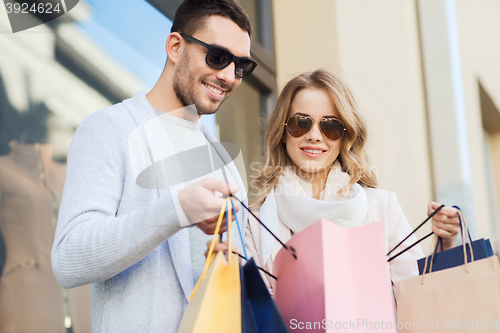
<point>184,90</point>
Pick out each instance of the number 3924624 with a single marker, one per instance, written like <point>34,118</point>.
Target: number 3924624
<point>35,8</point>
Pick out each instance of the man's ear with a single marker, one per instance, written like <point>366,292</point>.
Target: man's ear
<point>173,47</point>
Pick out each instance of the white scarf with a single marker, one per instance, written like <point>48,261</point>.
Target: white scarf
<point>291,202</point>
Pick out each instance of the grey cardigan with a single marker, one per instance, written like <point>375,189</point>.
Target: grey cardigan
<point>126,240</point>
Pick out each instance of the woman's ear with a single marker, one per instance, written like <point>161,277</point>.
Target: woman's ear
<point>173,47</point>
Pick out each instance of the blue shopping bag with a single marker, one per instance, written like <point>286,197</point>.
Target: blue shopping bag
<point>455,257</point>
<point>258,310</point>
<point>259,313</point>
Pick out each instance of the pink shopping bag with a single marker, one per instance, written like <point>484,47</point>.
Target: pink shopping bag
<point>339,281</point>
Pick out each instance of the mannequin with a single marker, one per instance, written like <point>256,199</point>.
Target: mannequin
<point>31,300</point>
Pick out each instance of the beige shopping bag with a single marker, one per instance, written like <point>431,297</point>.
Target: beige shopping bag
<point>464,298</point>
<point>452,299</point>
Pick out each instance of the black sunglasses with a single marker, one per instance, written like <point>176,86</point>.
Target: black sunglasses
<point>220,58</point>
<point>299,125</point>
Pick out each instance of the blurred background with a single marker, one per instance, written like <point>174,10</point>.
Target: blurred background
<point>425,73</point>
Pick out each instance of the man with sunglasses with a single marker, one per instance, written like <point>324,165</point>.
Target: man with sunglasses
<point>128,197</point>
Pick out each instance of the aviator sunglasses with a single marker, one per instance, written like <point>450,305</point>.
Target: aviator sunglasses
<point>299,125</point>
<point>220,58</point>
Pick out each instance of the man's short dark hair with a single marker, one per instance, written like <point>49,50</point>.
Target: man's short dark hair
<point>192,14</point>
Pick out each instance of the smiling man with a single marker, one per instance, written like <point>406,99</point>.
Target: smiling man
<point>133,218</point>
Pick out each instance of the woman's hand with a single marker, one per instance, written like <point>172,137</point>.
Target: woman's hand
<point>218,247</point>
<point>445,224</point>
<point>221,247</point>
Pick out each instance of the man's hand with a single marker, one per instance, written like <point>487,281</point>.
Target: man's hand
<point>202,206</point>
<point>445,224</point>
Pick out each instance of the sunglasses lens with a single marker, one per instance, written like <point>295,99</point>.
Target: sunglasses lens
<point>218,58</point>
<point>333,129</point>
<point>244,67</point>
<point>297,126</point>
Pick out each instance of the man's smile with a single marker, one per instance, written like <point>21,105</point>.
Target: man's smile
<point>215,92</point>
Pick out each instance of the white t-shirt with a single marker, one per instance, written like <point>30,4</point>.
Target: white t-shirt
<point>198,160</point>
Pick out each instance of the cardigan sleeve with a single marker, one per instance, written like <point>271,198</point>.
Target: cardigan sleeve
<point>92,243</point>
<point>404,266</point>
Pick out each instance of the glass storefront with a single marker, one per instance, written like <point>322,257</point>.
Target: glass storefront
<point>51,77</point>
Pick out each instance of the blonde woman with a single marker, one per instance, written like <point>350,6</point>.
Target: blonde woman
<point>315,166</point>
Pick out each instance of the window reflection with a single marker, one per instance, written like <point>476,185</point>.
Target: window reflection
<point>51,78</point>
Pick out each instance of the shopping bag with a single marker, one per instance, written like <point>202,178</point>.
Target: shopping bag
<point>259,311</point>
<point>455,257</point>
<point>216,301</point>
<point>465,297</point>
<point>339,280</point>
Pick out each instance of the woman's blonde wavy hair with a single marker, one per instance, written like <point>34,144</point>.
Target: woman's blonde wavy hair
<point>352,157</point>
